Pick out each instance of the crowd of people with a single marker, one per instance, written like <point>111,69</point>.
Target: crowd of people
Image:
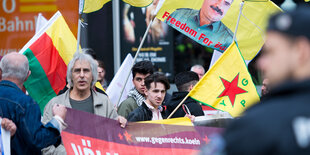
<point>278,125</point>
<point>148,100</point>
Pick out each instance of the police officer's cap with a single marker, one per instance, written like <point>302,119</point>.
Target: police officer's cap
<point>295,23</point>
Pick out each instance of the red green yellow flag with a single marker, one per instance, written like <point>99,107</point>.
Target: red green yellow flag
<point>88,6</point>
<point>48,53</point>
<point>228,85</point>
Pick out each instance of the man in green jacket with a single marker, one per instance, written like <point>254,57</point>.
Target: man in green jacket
<point>136,96</point>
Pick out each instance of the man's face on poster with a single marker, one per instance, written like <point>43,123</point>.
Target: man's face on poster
<point>215,10</point>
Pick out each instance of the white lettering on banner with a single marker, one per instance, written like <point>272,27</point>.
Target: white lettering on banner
<point>17,25</point>
<point>5,6</point>
<point>86,149</point>
<point>301,127</point>
<point>161,140</point>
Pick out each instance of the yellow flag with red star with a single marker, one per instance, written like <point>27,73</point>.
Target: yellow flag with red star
<point>228,85</point>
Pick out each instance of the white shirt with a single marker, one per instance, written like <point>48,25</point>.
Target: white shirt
<point>156,115</point>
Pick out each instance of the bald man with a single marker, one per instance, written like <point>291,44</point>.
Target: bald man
<point>199,70</point>
<point>31,136</point>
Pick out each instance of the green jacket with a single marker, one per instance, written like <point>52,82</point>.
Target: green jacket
<point>127,106</point>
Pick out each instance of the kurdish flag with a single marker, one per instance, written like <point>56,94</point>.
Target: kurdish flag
<point>48,52</point>
<point>227,86</point>
<point>88,6</point>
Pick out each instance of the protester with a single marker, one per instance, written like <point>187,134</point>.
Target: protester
<point>205,21</point>
<point>265,87</point>
<point>199,70</point>
<point>31,136</point>
<point>281,124</point>
<point>156,86</point>
<point>136,96</point>
<point>82,75</point>
<point>92,53</point>
<point>101,75</point>
<point>185,81</point>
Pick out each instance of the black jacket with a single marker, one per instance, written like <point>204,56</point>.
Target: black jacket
<point>193,106</point>
<point>142,113</point>
<point>270,128</point>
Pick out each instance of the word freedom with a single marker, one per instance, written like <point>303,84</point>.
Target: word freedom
<point>191,32</point>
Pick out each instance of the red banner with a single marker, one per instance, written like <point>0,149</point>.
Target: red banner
<point>105,136</point>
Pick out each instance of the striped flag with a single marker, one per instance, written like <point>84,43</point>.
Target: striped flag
<point>48,53</point>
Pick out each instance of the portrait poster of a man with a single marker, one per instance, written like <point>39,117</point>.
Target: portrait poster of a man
<point>203,25</point>
<point>212,23</point>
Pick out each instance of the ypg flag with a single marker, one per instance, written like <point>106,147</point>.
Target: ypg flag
<point>48,53</point>
<point>212,23</point>
<point>105,136</point>
<point>88,6</point>
<point>227,86</point>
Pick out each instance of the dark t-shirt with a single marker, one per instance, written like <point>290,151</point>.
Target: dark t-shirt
<point>86,105</point>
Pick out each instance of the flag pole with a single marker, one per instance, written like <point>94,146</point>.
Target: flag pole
<point>116,35</point>
<point>78,35</point>
<point>134,60</point>
<point>178,106</point>
<point>81,6</point>
<point>238,21</point>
